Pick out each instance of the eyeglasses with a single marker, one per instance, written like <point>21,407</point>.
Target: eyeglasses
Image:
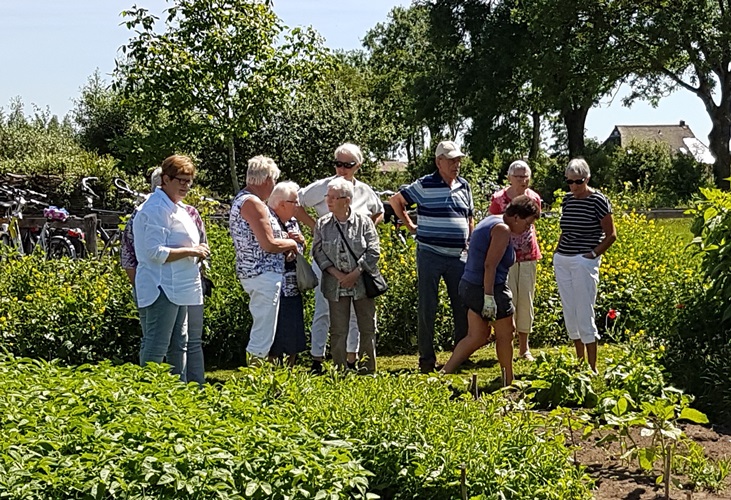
<point>578,182</point>
<point>294,202</point>
<point>184,182</point>
<point>335,198</point>
<point>344,164</point>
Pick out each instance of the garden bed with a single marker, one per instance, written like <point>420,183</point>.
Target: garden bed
<point>616,480</point>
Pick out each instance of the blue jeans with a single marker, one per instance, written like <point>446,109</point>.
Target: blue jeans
<point>431,267</point>
<point>195,366</point>
<point>165,334</point>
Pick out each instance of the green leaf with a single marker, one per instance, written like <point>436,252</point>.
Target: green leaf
<point>693,415</point>
<point>646,458</point>
<point>251,488</point>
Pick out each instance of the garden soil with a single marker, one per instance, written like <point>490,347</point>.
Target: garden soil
<point>617,480</point>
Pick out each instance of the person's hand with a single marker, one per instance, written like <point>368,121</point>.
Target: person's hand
<point>296,236</point>
<point>290,256</point>
<point>201,251</point>
<point>411,227</point>
<point>350,279</point>
<point>489,308</point>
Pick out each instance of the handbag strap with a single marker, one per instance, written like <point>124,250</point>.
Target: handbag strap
<point>345,240</point>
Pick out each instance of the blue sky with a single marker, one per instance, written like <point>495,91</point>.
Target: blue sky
<point>51,47</point>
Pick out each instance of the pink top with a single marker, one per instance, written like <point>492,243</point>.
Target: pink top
<point>525,244</point>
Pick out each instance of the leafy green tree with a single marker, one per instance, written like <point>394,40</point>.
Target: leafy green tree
<point>303,133</point>
<point>217,69</point>
<point>538,56</point>
<point>102,119</point>
<point>687,45</point>
<point>413,80</point>
<point>491,87</point>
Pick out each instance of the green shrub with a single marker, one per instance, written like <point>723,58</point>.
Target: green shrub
<point>74,311</point>
<point>645,175</point>
<point>699,347</point>
<point>561,379</point>
<point>126,432</point>
<point>644,275</point>
<point>227,321</point>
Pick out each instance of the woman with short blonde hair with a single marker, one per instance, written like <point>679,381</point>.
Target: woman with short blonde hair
<point>260,246</point>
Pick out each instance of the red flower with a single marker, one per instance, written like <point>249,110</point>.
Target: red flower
<point>679,306</point>
<point>612,314</point>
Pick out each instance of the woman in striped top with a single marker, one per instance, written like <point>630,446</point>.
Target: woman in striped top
<point>587,231</point>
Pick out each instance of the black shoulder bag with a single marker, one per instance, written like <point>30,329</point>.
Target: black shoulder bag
<point>375,284</point>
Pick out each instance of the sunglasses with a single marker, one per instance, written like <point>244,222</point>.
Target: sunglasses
<point>578,182</point>
<point>183,182</point>
<point>344,164</point>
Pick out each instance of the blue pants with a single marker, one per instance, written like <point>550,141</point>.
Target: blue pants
<point>195,366</point>
<point>431,267</point>
<point>165,334</point>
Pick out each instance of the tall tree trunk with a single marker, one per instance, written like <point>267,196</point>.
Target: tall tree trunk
<point>718,143</point>
<point>232,164</point>
<point>575,121</point>
<point>718,138</point>
<point>536,139</point>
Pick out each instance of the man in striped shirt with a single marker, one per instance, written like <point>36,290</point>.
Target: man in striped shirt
<point>445,210</point>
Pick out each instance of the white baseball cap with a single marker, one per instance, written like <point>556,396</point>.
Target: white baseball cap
<point>448,149</point>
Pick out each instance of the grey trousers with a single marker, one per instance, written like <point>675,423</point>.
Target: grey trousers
<point>365,313</point>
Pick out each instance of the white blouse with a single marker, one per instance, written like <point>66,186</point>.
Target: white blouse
<point>161,225</point>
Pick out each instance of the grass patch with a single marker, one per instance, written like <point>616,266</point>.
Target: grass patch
<point>677,227</point>
<point>482,363</point>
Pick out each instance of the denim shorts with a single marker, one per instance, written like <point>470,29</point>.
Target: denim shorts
<point>473,297</point>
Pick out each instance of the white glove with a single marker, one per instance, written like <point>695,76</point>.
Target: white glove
<point>489,308</point>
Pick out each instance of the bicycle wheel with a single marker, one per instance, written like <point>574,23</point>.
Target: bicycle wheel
<point>111,246</point>
<point>60,247</point>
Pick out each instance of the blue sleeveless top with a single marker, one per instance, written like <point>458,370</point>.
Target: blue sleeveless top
<point>474,269</point>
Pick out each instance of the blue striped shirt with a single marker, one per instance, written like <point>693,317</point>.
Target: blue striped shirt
<point>443,213</point>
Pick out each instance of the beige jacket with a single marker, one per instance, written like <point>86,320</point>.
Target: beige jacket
<point>327,243</point>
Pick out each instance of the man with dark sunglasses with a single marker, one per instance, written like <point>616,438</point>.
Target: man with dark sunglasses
<point>445,211</point>
<point>347,161</point>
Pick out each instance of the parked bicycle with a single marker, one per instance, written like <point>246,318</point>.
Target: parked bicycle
<point>58,242</point>
<point>12,205</point>
<point>110,236</point>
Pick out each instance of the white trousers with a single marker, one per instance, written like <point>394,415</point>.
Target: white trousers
<point>321,322</point>
<point>577,278</point>
<point>522,282</point>
<point>264,291</point>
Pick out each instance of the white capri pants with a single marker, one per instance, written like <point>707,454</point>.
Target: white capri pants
<point>321,322</point>
<point>577,278</point>
<point>522,282</point>
<point>263,291</point>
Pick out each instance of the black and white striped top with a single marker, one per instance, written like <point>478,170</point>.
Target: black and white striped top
<point>581,228</point>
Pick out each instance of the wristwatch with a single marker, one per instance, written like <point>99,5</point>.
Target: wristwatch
<point>593,254</point>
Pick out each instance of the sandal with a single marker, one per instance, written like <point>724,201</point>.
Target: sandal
<point>527,356</point>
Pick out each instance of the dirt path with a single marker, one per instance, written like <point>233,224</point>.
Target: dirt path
<point>620,481</point>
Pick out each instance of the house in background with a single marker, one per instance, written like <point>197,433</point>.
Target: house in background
<point>391,166</point>
<point>679,138</point>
